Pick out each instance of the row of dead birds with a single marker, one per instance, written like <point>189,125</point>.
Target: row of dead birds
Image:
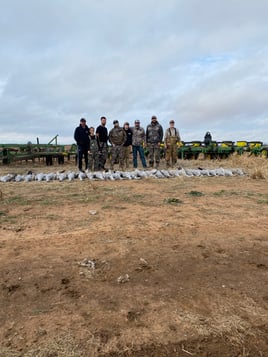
<point>120,175</point>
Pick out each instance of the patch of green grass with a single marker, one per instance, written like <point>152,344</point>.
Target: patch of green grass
<point>113,207</point>
<point>265,202</point>
<point>8,219</point>
<point>36,312</point>
<point>18,200</point>
<point>219,193</point>
<point>52,216</point>
<point>226,193</point>
<point>195,193</point>
<point>173,201</point>
<point>48,202</point>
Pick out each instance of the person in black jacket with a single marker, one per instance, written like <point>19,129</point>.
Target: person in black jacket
<point>128,144</point>
<point>207,138</point>
<point>81,136</point>
<point>102,137</point>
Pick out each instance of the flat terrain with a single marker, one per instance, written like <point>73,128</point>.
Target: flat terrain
<point>173,267</point>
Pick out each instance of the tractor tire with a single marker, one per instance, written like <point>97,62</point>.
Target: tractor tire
<point>264,153</point>
<point>201,156</point>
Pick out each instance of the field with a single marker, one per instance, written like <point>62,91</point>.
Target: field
<point>153,267</point>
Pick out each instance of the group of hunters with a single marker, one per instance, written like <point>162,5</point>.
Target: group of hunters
<point>93,147</point>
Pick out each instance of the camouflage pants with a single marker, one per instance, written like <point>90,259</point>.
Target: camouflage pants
<point>93,160</point>
<point>153,154</point>
<point>171,153</point>
<point>118,154</point>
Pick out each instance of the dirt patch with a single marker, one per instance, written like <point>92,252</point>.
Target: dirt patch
<point>163,267</point>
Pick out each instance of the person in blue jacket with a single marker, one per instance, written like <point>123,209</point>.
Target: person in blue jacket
<point>81,136</point>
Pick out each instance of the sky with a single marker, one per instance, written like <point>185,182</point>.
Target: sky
<point>202,63</point>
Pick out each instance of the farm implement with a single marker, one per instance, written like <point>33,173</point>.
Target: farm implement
<point>19,152</point>
<point>220,150</point>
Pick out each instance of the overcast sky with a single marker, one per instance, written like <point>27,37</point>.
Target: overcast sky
<point>203,63</point>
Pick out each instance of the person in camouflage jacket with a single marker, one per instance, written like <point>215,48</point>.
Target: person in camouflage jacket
<point>117,137</point>
<point>93,162</point>
<point>154,137</point>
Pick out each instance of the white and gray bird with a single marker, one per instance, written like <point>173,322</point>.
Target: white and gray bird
<point>228,172</point>
<point>219,171</point>
<point>71,176</point>
<point>7,178</point>
<point>40,177</point>
<point>165,173</point>
<point>29,177</point>
<point>126,175</point>
<point>98,175</point>
<point>50,176</point>
<point>82,175</point>
<point>19,178</point>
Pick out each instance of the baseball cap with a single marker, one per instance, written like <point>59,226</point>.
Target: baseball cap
<point>137,121</point>
<point>115,122</point>
<point>83,120</point>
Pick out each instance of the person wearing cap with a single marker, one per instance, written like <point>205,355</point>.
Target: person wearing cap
<point>117,137</point>
<point>154,137</point>
<point>127,145</point>
<point>138,140</point>
<point>172,137</point>
<point>81,136</point>
<point>102,138</point>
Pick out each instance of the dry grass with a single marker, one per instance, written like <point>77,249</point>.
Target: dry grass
<point>256,167</point>
<point>58,215</point>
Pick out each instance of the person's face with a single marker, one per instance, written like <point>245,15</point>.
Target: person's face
<point>103,121</point>
<point>154,120</point>
<point>171,125</point>
<point>126,126</point>
<point>91,131</point>
<point>83,123</point>
<point>116,125</point>
<point>137,125</point>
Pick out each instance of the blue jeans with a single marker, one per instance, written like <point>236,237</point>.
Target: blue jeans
<point>135,150</point>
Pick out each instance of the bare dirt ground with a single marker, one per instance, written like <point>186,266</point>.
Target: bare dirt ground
<point>180,265</point>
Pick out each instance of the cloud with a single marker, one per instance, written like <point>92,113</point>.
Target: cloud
<point>202,63</point>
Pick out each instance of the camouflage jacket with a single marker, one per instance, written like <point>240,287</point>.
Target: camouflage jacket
<point>138,137</point>
<point>117,136</point>
<point>154,133</point>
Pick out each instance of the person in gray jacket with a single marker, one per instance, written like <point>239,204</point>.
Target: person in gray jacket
<point>117,137</point>
<point>154,137</point>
